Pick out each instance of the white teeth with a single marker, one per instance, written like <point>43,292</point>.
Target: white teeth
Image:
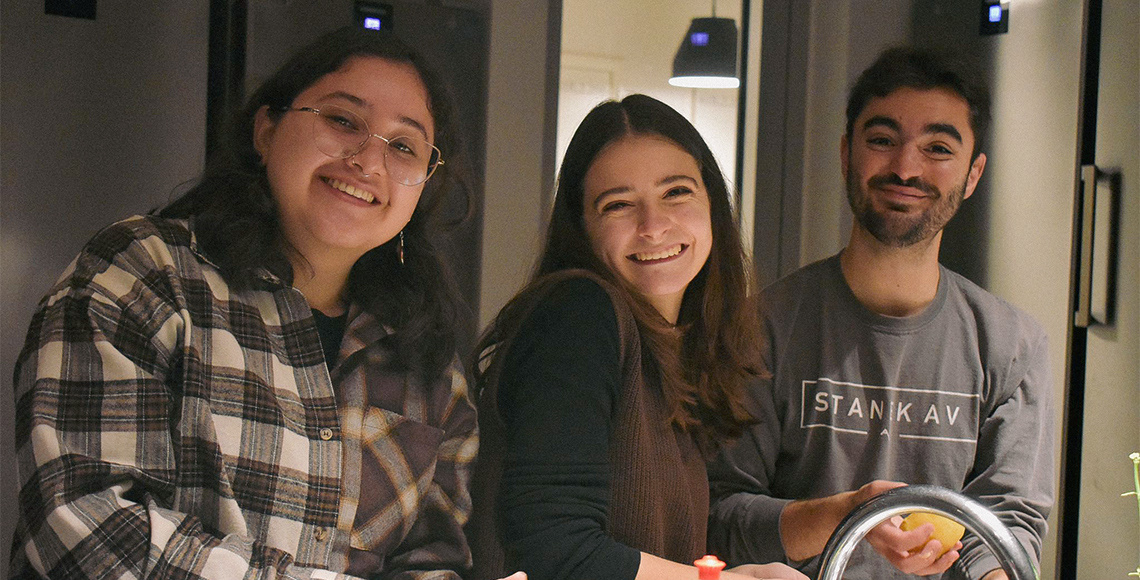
<point>354,192</point>
<point>667,253</point>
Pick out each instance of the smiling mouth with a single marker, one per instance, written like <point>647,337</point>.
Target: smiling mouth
<point>659,255</point>
<point>905,192</point>
<point>350,190</point>
<point>893,184</point>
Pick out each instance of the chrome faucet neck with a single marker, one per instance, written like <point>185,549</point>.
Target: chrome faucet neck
<point>903,500</point>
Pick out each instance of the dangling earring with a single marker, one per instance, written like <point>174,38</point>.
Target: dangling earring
<point>400,248</point>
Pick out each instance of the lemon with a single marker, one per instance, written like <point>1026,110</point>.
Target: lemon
<point>946,530</point>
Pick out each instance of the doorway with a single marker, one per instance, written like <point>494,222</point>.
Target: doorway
<point>611,49</point>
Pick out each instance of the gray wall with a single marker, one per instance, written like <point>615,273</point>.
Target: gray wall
<point>101,119</point>
<point>521,125</point>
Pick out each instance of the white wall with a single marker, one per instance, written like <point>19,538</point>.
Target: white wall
<point>71,164</point>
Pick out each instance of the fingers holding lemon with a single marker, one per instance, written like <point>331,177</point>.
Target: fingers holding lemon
<point>946,530</point>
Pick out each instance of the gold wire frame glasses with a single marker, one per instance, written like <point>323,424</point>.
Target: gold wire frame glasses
<point>340,133</point>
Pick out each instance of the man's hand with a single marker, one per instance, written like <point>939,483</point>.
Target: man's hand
<point>806,525</point>
<point>901,548</point>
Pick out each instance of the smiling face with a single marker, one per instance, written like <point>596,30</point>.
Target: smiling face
<point>335,210</point>
<point>646,212</point>
<point>907,164</point>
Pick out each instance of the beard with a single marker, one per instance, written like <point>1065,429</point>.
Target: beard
<point>896,225</point>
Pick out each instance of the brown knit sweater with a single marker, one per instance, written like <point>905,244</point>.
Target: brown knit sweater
<point>658,494</point>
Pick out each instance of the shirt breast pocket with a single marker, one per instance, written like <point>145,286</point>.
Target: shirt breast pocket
<point>397,470</point>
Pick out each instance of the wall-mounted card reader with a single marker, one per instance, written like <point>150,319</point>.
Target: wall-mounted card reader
<point>995,17</point>
<point>373,15</point>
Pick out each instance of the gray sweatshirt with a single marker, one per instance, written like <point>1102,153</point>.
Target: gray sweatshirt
<point>957,396</point>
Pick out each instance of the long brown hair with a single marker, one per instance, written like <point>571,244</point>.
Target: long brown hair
<point>706,360</point>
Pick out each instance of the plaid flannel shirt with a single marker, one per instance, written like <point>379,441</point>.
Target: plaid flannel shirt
<point>168,426</point>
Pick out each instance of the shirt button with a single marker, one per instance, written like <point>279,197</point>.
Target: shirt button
<point>320,534</point>
<point>326,433</point>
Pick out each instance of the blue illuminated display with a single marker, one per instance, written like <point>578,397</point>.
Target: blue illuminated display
<point>372,23</point>
<point>995,13</point>
<point>699,38</point>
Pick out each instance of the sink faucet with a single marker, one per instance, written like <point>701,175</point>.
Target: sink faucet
<point>929,498</point>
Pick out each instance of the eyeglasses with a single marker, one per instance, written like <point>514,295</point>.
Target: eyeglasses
<point>340,133</point>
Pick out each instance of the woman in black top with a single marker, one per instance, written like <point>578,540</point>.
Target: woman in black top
<point>606,384</point>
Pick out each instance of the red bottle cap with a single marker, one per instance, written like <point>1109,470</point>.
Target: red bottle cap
<point>708,567</point>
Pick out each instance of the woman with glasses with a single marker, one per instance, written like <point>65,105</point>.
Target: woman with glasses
<point>606,384</point>
<point>261,379</point>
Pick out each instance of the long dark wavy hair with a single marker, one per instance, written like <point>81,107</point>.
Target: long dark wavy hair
<point>235,217</point>
<point>705,361</point>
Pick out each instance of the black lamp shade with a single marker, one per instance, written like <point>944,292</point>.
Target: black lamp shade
<point>707,56</point>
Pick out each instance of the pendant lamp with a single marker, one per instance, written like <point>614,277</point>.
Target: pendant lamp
<point>707,56</point>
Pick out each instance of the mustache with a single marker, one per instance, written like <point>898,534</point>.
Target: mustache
<point>893,179</point>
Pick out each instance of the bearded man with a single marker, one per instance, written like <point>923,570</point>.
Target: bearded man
<point>887,368</point>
